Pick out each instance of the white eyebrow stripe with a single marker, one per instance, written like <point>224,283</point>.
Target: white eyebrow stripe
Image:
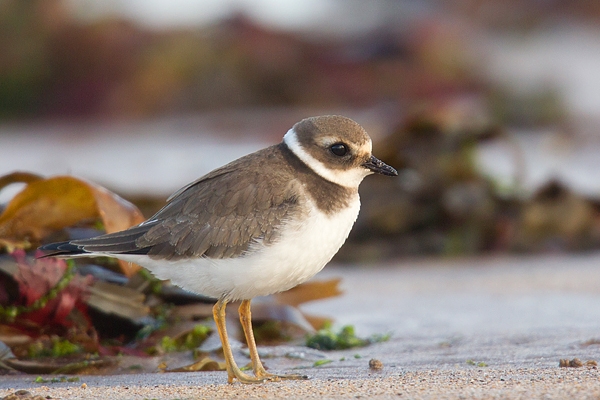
<point>347,178</point>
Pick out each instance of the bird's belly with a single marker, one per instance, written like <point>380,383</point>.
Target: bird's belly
<point>302,251</point>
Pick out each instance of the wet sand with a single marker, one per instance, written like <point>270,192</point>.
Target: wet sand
<point>476,328</point>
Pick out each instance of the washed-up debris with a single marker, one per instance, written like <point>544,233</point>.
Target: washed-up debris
<point>56,317</point>
<point>23,395</point>
<point>183,338</point>
<point>480,364</point>
<point>327,339</point>
<point>40,379</point>
<point>46,206</point>
<point>44,291</point>
<point>62,365</point>
<point>577,363</point>
<point>320,363</point>
<point>205,364</point>
<point>375,364</point>
<point>591,342</point>
<point>444,204</point>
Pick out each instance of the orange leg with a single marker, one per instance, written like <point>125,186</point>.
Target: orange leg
<point>259,369</point>
<point>233,371</point>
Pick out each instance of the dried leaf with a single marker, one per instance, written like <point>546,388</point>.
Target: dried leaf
<point>54,366</point>
<point>13,337</point>
<point>80,366</point>
<point>269,311</point>
<point>32,366</point>
<point>310,291</point>
<point>193,311</point>
<point>45,206</point>
<point>11,245</point>
<point>206,364</point>
<point>48,205</point>
<point>317,322</point>
<point>119,300</point>
<point>116,213</point>
<point>18,177</point>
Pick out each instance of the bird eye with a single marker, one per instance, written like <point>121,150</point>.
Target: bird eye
<point>339,149</point>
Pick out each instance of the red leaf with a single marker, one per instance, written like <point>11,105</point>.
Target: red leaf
<point>36,277</point>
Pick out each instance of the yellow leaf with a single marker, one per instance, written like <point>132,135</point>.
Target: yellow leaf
<point>206,364</point>
<point>309,291</point>
<point>47,205</point>
<point>18,177</point>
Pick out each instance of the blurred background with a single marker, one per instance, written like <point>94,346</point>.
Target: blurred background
<point>489,109</point>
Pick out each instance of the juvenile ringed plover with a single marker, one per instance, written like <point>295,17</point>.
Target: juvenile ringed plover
<point>261,224</point>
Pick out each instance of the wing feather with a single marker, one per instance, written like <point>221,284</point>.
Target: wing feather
<point>219,216</point>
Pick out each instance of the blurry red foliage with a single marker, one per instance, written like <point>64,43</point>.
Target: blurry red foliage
<point>37,277</point>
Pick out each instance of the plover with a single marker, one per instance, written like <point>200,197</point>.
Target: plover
<point>261,224</point>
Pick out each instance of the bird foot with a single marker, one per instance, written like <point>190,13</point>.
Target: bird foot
<point>244,378</point>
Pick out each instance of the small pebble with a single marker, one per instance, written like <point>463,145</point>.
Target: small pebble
<point>375,364</point>
<point>84,385</point>
<point>563,363</point>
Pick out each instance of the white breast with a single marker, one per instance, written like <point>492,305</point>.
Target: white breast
<point>303,250</point>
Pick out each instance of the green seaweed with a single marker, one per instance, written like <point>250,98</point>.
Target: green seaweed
<point>40,379</point>
<point>480,364</point>
<point>57,348</point>
<point>327,339</point>
<point>188,341</point>
<point>319,363</point>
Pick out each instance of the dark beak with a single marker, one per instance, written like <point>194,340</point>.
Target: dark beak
<point>378,166</point>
